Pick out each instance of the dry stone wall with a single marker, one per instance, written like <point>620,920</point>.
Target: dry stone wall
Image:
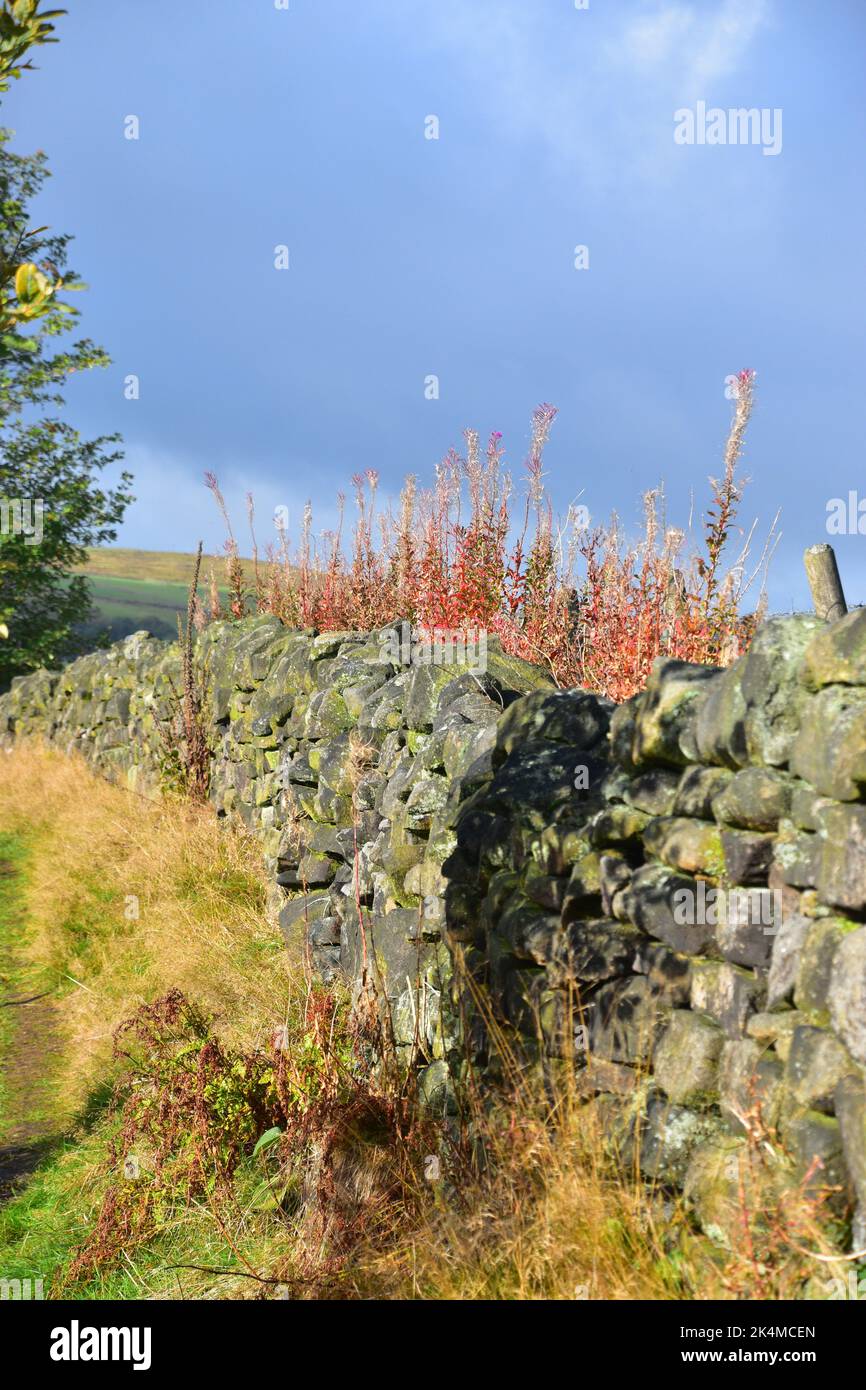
<point>668,896</point>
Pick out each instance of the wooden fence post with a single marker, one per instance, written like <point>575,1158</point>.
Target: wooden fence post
<point>824,583</point>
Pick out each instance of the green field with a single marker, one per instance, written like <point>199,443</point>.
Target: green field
<point>127,605</point>
<point>135,589</point>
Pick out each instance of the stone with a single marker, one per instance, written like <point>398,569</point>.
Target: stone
<point>559,846</point>
<point>850,1107</point>
<point>614,873</point>
<point>653,792</point>
<point>837,654</point>
<point>797,856</point>
<point>544,889</point>
<point>574,717</point>
<point>535,781</point>
<point>436,1089</point>
<point>426,799</point>
<point>324,932</point>
<point>725,992</point>
<point>668,1137</point>
<point>612,1077</point>
<point>842,868</point>
<point>690,845</point>
<point>754,799</point>
<point>392,954</point>
<point>816,1064</point>
<point>814,1142</point>
<point>383,708</point>
<point>667,708</point>
<point>718,1174</point>
<point>686,1059</point>
<point>328,644</point>
<point>595,951</point>
<point>339,765</point>
<point>697,789</point>
<point>462,912</point>
<point>326,715</point>
<point>315,870</point>
<point>669,973</point>
<point>785,961</point>
<point>846,995</point>
<point>829,751</point>
<point>775,1029</point>
<point>556,1012</point>
<point>617,825</point>
<point>425,879</point>
<point>625,1018</point>
<point>663,904</point>
<point>622,732</point>
<point>746,927</point>
<point>530,933</point>
<point>817,953</point>
<point>356,697</point>
<point>747,856</point>
<point>299,911</point>
<point>583,889</point>
<point>750,1081</point>
<point>771,686</point>
<point>720,726</point>
<point>806,807</point>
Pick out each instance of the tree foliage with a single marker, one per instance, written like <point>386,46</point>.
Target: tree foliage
<point>41,601</point>
<point>44,463</point>
<point>26,288</point>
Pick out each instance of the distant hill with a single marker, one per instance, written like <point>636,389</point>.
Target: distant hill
<point>169,566</point>
<point>134,589</point>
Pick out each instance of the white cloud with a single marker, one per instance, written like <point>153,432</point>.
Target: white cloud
<point>693,45</point>
<point>651,41</point>
<point>596,88</point>
<point>173,509</point>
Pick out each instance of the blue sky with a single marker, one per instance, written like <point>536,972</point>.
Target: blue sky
<point>262,126</point>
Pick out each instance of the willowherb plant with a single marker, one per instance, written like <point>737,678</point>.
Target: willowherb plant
<point>593,607</point>
<point>186,750</point>
<point>234,568</point>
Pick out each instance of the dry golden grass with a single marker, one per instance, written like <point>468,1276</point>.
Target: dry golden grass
<point>550,1219</point>
<point>127,898</point>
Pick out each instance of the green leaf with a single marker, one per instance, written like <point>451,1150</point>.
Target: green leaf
<point>266,1140</point>
<point>31,286</point>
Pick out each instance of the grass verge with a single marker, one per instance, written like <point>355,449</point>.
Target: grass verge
<point>217,1131</point>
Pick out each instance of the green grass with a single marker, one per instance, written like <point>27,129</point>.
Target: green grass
<point>42,1228</point>
<point>11,860</point>
<point>43,1225</point>
<point>28,1245</point>
<point>127,605</point>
